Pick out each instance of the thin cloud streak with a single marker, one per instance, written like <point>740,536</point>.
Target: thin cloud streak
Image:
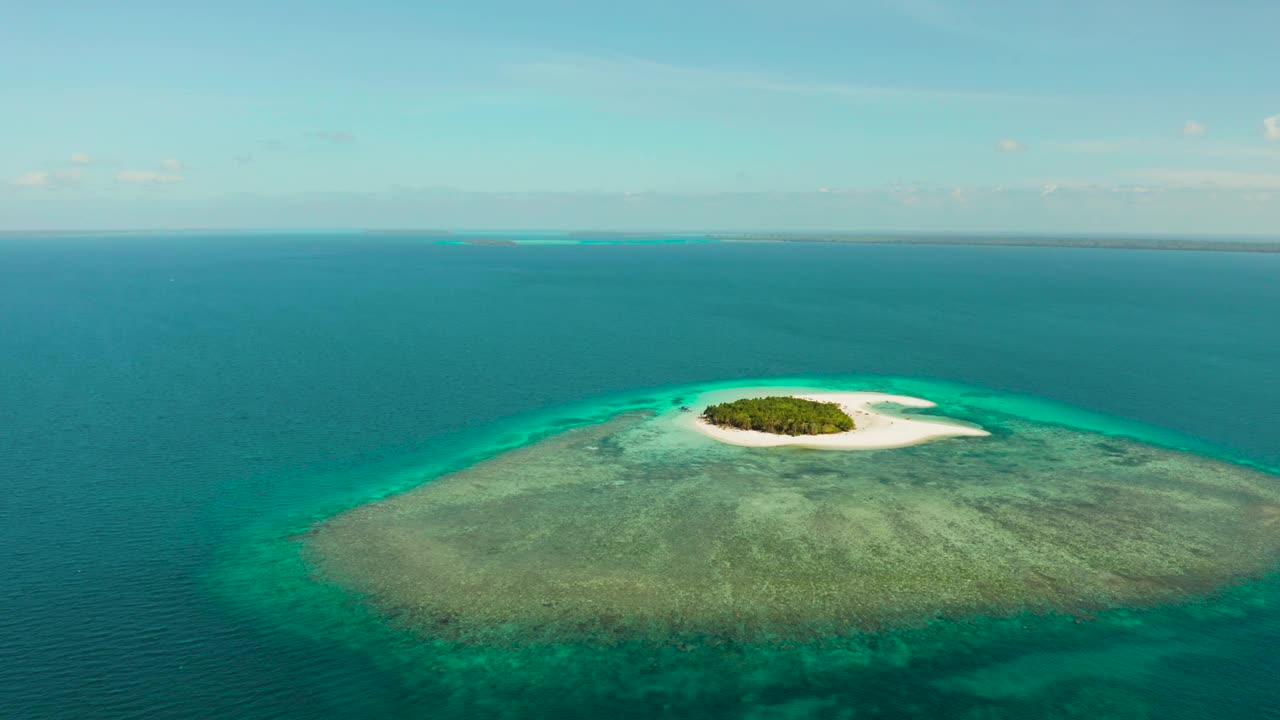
<point>624,75</point>
<point>48,179</point>
<point>1208,178</point>
<point>36,178</point>
<point>1173,147</point>
<point>148,177</point>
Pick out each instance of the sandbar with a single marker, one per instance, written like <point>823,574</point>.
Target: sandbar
<point>874,429</point>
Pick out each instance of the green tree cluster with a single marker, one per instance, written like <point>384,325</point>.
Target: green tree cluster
<point>780,415</point>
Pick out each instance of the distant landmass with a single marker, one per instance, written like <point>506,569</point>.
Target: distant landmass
<point>615,235</point>
<point>1113,243</point>
<point>1251,245</point>
<point>407,231</point>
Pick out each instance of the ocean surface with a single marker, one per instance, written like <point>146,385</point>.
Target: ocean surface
<point>177,410</point>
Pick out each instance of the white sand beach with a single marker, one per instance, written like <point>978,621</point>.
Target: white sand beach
<point>873,429</point>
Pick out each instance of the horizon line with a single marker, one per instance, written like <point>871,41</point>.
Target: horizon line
<point>641,233</point>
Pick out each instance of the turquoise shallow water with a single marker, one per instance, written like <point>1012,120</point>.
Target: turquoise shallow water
<point>640,527</point>
<point>178,408</point>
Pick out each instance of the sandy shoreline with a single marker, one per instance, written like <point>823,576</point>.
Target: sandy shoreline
<point>873,429</point>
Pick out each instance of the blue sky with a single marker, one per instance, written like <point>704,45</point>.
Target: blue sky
<point>1084,116</point>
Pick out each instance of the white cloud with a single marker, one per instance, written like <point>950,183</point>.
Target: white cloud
<point>37,178</point>
<point>47,179</point>
<point>148,177</point>
<point>171,164</point>
<point>1009,145</point>
<point>81,159</point>
<point>1271,127</point>
<point>1194,129</point>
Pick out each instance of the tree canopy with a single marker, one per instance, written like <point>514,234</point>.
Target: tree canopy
<point>780,415</point>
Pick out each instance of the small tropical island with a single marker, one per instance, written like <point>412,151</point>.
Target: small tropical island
<point>780,415</point>
<point>822,420</point>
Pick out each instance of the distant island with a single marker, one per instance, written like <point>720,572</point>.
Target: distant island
<point>407,231</point>
<point>780,415</point>
<point>1256,245</point>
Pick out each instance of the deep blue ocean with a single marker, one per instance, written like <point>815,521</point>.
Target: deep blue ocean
<point>168,400</point>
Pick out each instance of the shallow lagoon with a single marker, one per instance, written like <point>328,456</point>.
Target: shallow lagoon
<point>637,529</point>
<point>1133,599</point>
